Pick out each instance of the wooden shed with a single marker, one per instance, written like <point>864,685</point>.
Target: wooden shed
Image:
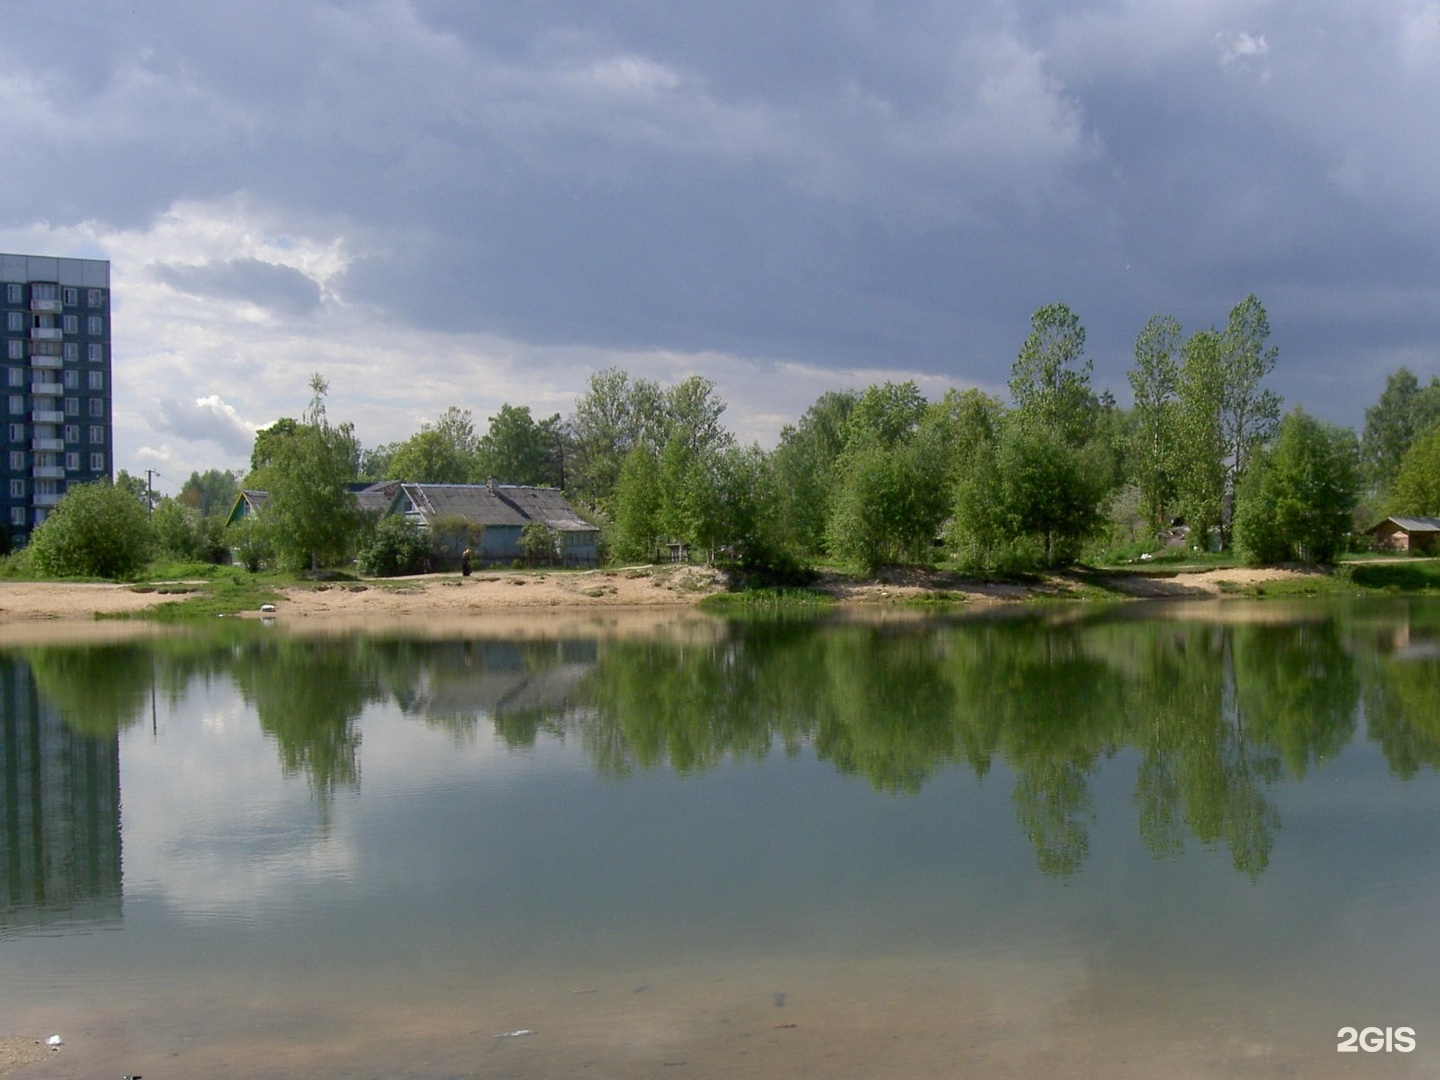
<point>1407,534</point>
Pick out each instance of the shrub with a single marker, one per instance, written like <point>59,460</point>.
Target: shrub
<point>250,544</point>
<point>539,544</point>
<point>396,548</point>
<point>97,530</point>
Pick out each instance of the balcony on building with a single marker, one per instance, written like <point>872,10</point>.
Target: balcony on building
<point>47,498</point>
<point>46,307</point>
<point>45,444</point>
<point>48,472</point>
<point>46,333</point>
<point>54,363</point>
<point>46,416</point>
<point>53,389</point>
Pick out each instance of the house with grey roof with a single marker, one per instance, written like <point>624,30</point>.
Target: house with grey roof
<point>373,498</point>
<point>498,513</point>
<point>1407,534</point>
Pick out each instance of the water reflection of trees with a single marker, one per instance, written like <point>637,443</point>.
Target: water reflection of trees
<point>1209,716</point>
<point>1216,715</point>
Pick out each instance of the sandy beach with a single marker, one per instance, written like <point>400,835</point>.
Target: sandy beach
<point>450,596</point>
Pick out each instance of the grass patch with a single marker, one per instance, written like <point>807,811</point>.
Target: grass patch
<point>1408,576</point>
<point>940,598</point>
<point>228,597</point>
<point>768,602</point>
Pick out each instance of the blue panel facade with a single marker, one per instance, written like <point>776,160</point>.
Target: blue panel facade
<point>55,353</point>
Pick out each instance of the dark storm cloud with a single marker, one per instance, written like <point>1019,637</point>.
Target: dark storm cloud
<point>861,184</point>
<point>282,290</point>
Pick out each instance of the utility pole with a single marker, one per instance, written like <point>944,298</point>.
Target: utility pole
<point>150,475</point>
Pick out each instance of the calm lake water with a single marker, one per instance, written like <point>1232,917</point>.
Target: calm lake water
<point>1188,840</point>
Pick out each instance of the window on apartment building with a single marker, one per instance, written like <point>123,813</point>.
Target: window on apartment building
<point>14,320</point>
<point>17,460</point>
<point>97,462</point>
<point>97,406</point>
<point>15,349</point>
<point>44,290</point>
<point>72,406</point>
<point>15,292</point>
<point>72,462</point>
<point>15,376</point>
<point>72,351</point>
<point>70,324</point>
<point>72,380</point>
<point>69,296</point>
<point>95,353</point>
<point>95,325</point>
<point>17,515</point>
<point>97,434</point>
<point>97,380</point>
<point>17,404</point>
<point>17,432</point>
<point>17,489</point>
<point>72,433</point>
<point>94,298</point>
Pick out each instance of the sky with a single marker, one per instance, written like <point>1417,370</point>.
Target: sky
<point>458,202</point>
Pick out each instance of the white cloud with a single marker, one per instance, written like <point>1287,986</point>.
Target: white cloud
<point>207,419</point>
<point>1243,50</point>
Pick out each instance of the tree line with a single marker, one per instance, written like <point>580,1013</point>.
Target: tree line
<point>883,475</point>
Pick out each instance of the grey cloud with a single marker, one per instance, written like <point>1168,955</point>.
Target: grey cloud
<point>280,289</point>
<point>207,419</point>
<point>849,184</point>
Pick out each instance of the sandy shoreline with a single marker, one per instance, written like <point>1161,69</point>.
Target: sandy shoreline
<point>450,597</point>
<point>16,1052</point>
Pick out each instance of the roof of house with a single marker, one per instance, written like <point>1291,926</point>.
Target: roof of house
<point>1413,524</point>
<point>502,504</point>
<point>375,497</point>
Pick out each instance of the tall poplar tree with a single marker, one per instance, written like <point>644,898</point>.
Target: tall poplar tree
<point>1155,381</point>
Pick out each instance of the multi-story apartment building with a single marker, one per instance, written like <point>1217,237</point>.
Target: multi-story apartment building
<point>55,349</point>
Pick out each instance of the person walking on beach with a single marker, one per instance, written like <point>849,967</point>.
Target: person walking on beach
<point>465,563</point>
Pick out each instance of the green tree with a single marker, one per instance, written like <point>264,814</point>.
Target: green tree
<point>1050,493</point>
<point>889,502</point>
<point>179,530</point>
<point>692,413</point>
<point>138,488</point>
<point>427,457</point>
<point>96,530</point>
<point>1225,413</point>
<point>614,414</point>
<point>804,469</point>
<point>1042,488</point>
<point>1200,475</point>
<point>518,450</point>
<point>1155,381</point>
<point>1404,412</point>
<point>1249,413</point>
<point>310,517</point>
<point>1416,489</point>
<point>212,492</point>
<point>1295,501</point>
<point>267,442</point>
<point>1050,379</point>
<point>888,414</point>
<point>636,531</point>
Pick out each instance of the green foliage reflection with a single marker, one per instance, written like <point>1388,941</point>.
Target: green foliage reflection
<point>1210,716</point>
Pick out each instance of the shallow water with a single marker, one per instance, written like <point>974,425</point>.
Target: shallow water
<point>1105,842</point>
